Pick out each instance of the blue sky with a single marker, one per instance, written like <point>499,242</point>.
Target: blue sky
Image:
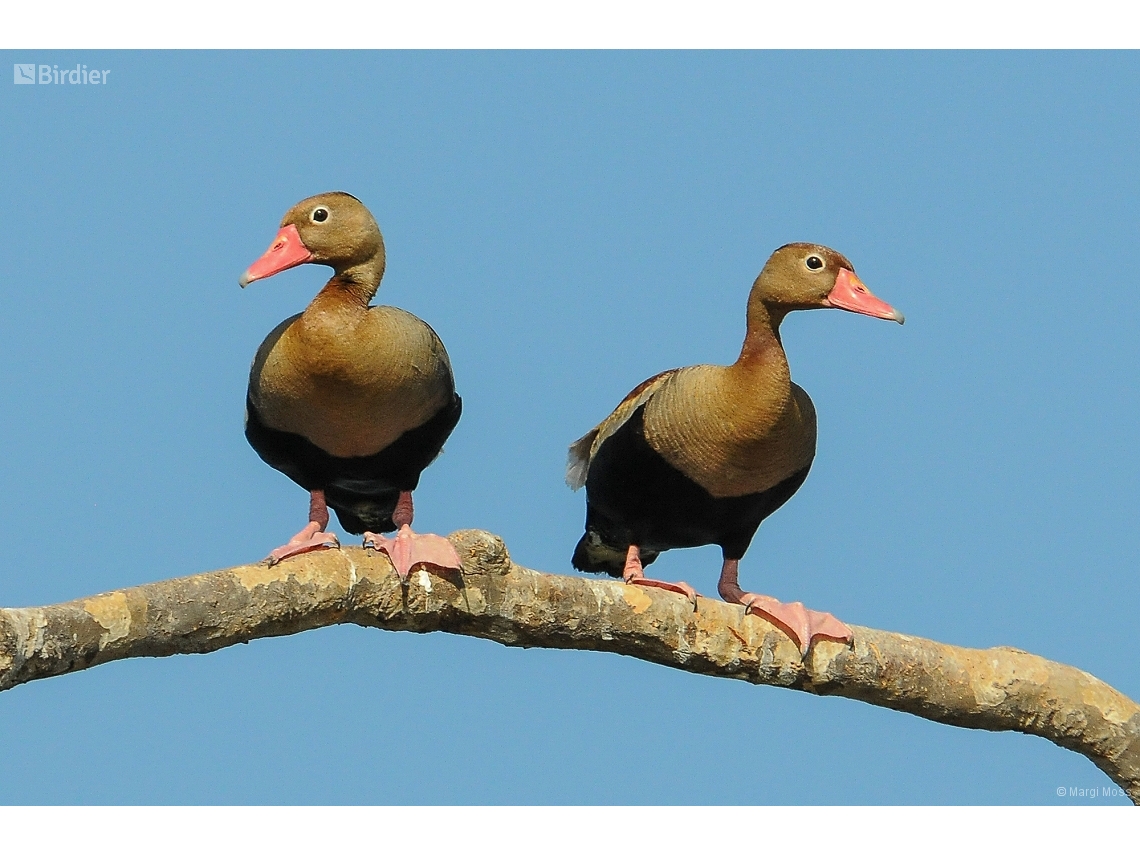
<point>571,223</point>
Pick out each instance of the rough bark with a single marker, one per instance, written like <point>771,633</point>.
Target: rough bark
<point>998,689</point>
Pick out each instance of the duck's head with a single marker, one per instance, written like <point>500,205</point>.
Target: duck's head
<point>810,276</point>
<point>332,228</point>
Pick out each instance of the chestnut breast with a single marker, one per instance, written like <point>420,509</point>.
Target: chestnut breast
<point>735,430</point>
<point>351,383</point>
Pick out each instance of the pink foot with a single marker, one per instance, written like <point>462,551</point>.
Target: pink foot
<point>407,549</point>
<point>633,574</point>
<point>308,539</point>
<point>802,625</point>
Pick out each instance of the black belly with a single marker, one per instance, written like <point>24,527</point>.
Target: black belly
<point>362,490</point>
<point>634,496</point>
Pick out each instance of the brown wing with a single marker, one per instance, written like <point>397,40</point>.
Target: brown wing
<point>582,452</point>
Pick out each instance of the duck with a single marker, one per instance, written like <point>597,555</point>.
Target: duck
<point>702,455</point>
<point>351,401</point>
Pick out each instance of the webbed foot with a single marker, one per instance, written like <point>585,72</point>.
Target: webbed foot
<point>634,574</point>
<point>802,625</point>
<point>308,539</point>
<point>407,549</point>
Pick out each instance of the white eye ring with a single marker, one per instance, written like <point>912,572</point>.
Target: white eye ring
<point>818,264</point>
<point>320,214</point>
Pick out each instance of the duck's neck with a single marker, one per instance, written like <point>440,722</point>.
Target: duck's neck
<point>758,386</point>
<point>762,346</point>
<point>351,289</point>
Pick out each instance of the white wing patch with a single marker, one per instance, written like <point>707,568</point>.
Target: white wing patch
<point>582,452</point>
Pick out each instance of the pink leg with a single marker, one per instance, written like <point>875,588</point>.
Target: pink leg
<point>633,574</point>
<point>404,511</point>
<point>311,537</point>
<point>407,549</point>
<point>802,625</point>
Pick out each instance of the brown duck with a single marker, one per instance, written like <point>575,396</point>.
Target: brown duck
<point>351,401</point>
<point>703,454</point>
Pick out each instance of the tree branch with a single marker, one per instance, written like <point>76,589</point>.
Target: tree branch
<point>998,689</point>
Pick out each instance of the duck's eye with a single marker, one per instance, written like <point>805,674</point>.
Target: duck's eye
<point>813,262</point>
<point>319,215</point>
